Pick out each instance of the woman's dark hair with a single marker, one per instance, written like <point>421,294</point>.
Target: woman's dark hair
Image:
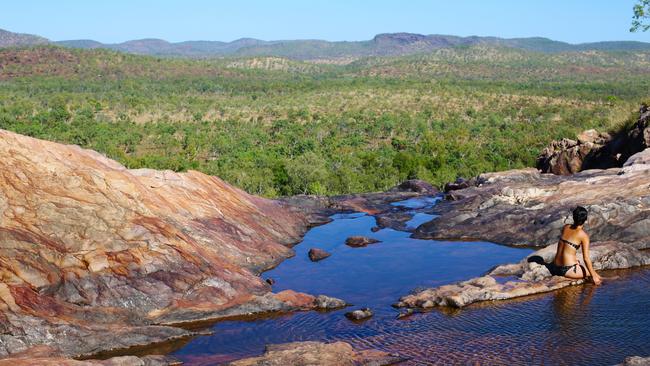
<point>579,216</point>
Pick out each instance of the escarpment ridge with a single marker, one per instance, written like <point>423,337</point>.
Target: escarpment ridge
<point>95,256</point>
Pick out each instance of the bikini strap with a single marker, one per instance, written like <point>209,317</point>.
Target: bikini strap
<point>574,245</point>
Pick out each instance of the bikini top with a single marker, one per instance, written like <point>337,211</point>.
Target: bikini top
<point>574,245</point>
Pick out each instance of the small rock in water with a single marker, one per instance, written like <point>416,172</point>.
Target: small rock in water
<point>374,229</point>
<point>361,314</point>
<point>360,241</point>
<point>405,314</point>
<point>327,303</point>
<point>316,254</point>
<point>270,281</point>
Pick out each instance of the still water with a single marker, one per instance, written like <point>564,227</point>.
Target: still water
<point>582,325</point>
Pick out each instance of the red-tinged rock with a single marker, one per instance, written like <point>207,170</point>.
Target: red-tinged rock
<point>595,150</point>
<point>47,356</point>
<point>94,255</point>
<point>360,241</point>
<point>316,254</point>
<point>318,353</point>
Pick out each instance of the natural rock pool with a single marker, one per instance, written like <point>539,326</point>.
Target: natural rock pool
<point>574,326</point>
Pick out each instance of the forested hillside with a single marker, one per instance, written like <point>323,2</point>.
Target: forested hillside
<point>275,126</point>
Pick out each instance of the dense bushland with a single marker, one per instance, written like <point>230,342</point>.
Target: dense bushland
<point>279,127</point>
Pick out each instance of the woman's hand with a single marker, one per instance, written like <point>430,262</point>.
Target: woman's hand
<point>596,279</point>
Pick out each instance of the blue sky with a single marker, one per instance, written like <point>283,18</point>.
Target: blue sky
<point>120,20</point>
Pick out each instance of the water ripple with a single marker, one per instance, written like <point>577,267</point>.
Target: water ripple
<point>582,325</point>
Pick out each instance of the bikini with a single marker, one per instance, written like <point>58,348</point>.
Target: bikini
<point>562,270</point>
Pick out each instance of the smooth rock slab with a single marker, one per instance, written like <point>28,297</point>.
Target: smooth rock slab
<point>524,278</point>
<point>360,241</point>
<point>96,256</point>
<point>318,353</point>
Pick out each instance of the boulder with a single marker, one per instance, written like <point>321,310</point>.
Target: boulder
<point>323,302</point>
<point>360,241</point>
<point>316,254</point>
<point>459,183</point>
<point>417,186</point>
<point>596,150</point>
<point>98,257</point>
<point>360,314</point>
<point>319,353</point>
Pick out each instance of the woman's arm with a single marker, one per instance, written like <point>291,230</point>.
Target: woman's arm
<point>585,255</point>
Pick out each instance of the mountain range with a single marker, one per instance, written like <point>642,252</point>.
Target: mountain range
<point>387,44</point>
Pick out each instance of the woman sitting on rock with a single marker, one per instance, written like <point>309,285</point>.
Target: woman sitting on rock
<point>572,238</point>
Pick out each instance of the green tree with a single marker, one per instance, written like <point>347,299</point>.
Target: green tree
<point>641,18</point>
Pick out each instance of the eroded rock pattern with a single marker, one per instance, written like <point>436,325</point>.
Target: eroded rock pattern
<point>95,256</point>
<point>526,207</point>
<point>318,353</point>
<point>524,278</point>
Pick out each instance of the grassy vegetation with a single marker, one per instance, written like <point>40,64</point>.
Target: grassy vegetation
<point>279,127</point>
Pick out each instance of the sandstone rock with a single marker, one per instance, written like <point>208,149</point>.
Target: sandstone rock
<point>405,314</point>
<point>316,254</point>
<point>459,183</point>
<point>317,209</point>
<point>566,157</point>
<point>96,256</point>
<point>359,314</point>
<point>524,207</point>
<point>524,278</point>
<point>394,219</point>
<point>593,136</point>
<point>318,353</point>
<point>636,361</point>
<point>594,150</point>
<point>417,186</point>
<point>47,356</point>
<point>360,241</point>
<point>329,303</point>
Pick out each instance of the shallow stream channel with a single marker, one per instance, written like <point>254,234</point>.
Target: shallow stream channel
<point>579,325</point>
